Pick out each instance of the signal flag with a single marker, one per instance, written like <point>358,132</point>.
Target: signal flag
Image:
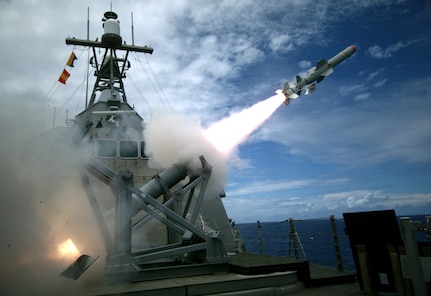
<point>63,77</point>
<point>71,60</point>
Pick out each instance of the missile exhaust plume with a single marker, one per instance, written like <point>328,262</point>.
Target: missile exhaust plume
<point>231,131</point>
<point>171,138</point>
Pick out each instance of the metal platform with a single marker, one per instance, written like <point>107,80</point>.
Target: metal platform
<point>248,274</point>
<point>277,283</point>
<point>252,264</point>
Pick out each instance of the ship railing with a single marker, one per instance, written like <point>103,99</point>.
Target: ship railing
<point>321,244</point>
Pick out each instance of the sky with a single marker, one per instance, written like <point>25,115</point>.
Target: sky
<point>360,142</point>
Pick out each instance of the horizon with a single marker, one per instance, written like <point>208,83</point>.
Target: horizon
<point>327,218</point>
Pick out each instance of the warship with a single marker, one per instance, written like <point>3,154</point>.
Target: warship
<point>165,207</point>
<point>162,231</point>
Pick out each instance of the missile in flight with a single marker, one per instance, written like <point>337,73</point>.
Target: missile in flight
<point>318,73</point>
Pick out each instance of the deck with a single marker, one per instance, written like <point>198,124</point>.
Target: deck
<point>249,275</point>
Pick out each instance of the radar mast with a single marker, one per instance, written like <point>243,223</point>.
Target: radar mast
<point>110,70</point>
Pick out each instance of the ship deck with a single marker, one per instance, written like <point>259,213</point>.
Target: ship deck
<point>249,275</point>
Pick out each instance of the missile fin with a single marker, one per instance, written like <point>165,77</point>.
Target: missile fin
<point>310,89</point>
<point>328,72</point>
<point>321,63</point>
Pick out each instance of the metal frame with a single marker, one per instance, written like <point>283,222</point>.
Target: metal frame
<point>200,251</point>
<point>206,250</point>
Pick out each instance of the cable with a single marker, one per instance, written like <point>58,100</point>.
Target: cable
<point>165,103</point>
<point>158,84</point>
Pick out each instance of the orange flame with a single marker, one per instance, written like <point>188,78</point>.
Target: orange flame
<point>67,250</point>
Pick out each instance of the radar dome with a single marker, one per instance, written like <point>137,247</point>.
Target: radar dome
<point>111,30</point>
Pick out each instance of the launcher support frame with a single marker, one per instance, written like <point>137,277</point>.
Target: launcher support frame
<point>190,246</point>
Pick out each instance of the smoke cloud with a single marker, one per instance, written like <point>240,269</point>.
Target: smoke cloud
<point>44,205</point>
<point>41,207</point>
<point>172,138</point>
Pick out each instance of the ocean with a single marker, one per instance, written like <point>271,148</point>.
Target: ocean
<point>315,236</point>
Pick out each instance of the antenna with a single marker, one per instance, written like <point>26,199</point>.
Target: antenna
<point>88,55</point>
<point>133,34</point>
<point>88,22</point>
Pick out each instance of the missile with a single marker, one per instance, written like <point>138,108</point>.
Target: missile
<point>318,73</point>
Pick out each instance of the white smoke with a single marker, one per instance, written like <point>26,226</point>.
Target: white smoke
<point>173,138</point>
<point>43,203</point>
<point>40,208</point>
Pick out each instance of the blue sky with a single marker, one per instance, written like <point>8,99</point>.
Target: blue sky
<point>361,141</point>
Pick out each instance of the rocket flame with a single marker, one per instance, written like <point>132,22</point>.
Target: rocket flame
<point>229,132</point>
<point>67,250</point>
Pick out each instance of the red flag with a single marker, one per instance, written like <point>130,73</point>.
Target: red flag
<point>63,77</point>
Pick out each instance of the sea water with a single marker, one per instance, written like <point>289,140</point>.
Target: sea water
<point>316,238</point>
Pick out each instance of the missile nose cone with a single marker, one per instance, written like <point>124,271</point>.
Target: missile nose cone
<point>354,48</point>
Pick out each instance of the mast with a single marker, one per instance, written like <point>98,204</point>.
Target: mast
<point>88,57</point>
<point>133,33</point>
<point>110,71</point>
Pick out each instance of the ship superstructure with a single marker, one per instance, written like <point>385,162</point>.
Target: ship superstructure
<point>154,225</point>
<point>109,122</point>
<point>166,208</point>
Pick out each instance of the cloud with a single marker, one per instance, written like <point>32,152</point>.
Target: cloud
<point>378,52</point>
<point>280,42</point>
<point>369,199</point>
<point>267,208</point>
<point>348,90</point>
<point>280,207</point>
<point>200,49</point>
<point>353,136</point>
<point>360,97</point>
<point>374,74</point>
<point>304,64</point>
<point>348,200</point>
<point>380,83</point>
<point>268,186</point>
